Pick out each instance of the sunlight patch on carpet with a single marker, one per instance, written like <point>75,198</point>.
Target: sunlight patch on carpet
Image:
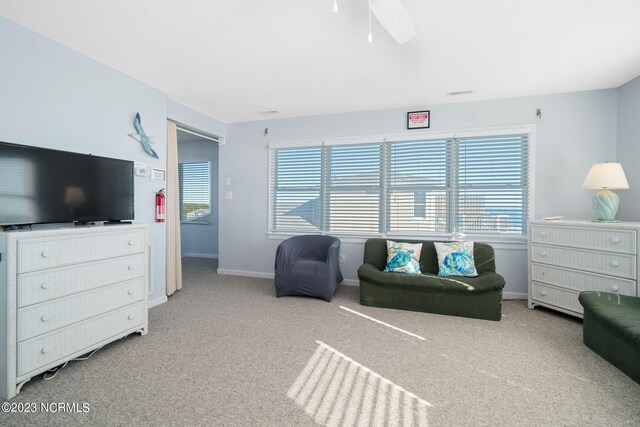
<point>380,322</point>
<point>335,390</point>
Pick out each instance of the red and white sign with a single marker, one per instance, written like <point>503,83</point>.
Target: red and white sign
<point>418,119</point>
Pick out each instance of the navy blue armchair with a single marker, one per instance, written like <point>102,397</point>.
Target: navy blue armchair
<point>308,266</point>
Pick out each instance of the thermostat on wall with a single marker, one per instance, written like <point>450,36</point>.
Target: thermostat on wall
<point>140,169</point>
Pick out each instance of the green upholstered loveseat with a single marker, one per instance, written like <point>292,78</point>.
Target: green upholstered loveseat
<point>478,297</point>
<point>611,328</point>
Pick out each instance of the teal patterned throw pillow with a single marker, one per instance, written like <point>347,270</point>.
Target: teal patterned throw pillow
<point>456,259</point>
<point>403,257</point>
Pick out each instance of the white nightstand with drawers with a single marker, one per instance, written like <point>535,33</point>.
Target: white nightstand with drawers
<point>567,257</point>
<point>66,292</point>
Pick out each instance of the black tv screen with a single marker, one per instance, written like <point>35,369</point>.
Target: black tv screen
<point>39,185</point>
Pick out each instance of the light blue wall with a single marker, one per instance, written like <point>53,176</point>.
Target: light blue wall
<point>629,148</point>
<point>200,239</point>
<point>53,97</point>
<point>194,119</point>
<point>576,130</point>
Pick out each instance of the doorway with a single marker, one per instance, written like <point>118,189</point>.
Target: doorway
<point>198,179</point>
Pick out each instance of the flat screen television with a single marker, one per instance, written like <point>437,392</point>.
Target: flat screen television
<point>39,185</point>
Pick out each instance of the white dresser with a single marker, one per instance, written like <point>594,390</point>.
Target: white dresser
<point>66,292</point>
<point>567,257</point>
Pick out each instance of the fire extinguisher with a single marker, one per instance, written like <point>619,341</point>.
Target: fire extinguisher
<point>160,206</point>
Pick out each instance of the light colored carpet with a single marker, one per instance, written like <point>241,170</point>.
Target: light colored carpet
<point>225,351</point>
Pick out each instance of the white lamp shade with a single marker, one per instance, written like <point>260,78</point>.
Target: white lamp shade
<point>606,175</point>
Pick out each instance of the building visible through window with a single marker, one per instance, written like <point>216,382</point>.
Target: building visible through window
<point>195,190</point>
<point>470,184</point>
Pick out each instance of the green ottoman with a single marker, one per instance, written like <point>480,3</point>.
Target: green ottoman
<point>611,328</point>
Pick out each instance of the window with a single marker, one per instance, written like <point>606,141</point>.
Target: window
<point>477,185</point>
<point>353,189</point>
<point>195,190</point>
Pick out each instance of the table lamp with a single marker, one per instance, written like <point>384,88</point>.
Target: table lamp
<point>606,177</point>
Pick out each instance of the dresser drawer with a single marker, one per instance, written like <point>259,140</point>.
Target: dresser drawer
<point>42,318</point>
<point>38,254</point>
<point>44,350</point>
<point>562,298</point>
<point>41,286</point>
<point>579,280</point>
<point>623,241</point>
<point>618,265</point>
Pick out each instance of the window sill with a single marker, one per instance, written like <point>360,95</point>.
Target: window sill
<point>498,241</point>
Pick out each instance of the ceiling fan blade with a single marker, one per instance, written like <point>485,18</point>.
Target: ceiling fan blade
<point>395,19</point>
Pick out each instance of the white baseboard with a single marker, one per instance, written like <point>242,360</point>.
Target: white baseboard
<point>350,282</point>
<point>156,301</point>
<point>197,255</point>
<point>245,273</point>
<point>514,295</point>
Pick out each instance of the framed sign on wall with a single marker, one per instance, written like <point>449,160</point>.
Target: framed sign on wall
<point>418,119</point>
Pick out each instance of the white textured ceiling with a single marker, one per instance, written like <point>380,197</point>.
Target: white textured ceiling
<point>235,59</point>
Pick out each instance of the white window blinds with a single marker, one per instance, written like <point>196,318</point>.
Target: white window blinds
<point>492,184</point>
<point>470,184</point>
<point>295,189</point>
<point>418,186</point>
<point>195,190</point>
<point>353,195</point>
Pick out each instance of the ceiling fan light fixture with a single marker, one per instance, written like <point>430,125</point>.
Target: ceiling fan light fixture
<point>370,38</point>
<point>394,18</point>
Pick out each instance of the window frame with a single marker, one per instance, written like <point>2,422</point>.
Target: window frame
<point>507,238</point>
<point>203,219</point>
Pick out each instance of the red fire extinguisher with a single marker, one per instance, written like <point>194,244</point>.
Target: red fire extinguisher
<point>160,206</point>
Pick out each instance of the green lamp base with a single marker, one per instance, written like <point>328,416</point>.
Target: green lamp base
<point>605,206</point>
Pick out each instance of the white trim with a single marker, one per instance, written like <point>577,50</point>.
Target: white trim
<point>514,295</point>
<point>495,131</point>
<point>216,139</point>
<point>198,255</point>
<point>532,174</point>
<point>496,242</point>
<point>409,135</point>
<point>156,301</point>
<point>494,238</point>
<point>244,273</point>
<point>350,282</point>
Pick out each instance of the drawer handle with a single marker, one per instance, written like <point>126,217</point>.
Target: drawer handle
<point>44,350</point>
<point>44,285</point>
<point>129,292</point>
<point>615,289</point>
<point>131,317</point>
<point>44,318</point>
<point>615,240</point>
<point>130,267</point>
<point>130,242</point>
<point>614,263</point>
<point>543,234</point>
<point>44,254</point>
<point>543,293</point>
<point>543,254</point>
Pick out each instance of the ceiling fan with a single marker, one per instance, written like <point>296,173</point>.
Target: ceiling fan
<point>393,16</point>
